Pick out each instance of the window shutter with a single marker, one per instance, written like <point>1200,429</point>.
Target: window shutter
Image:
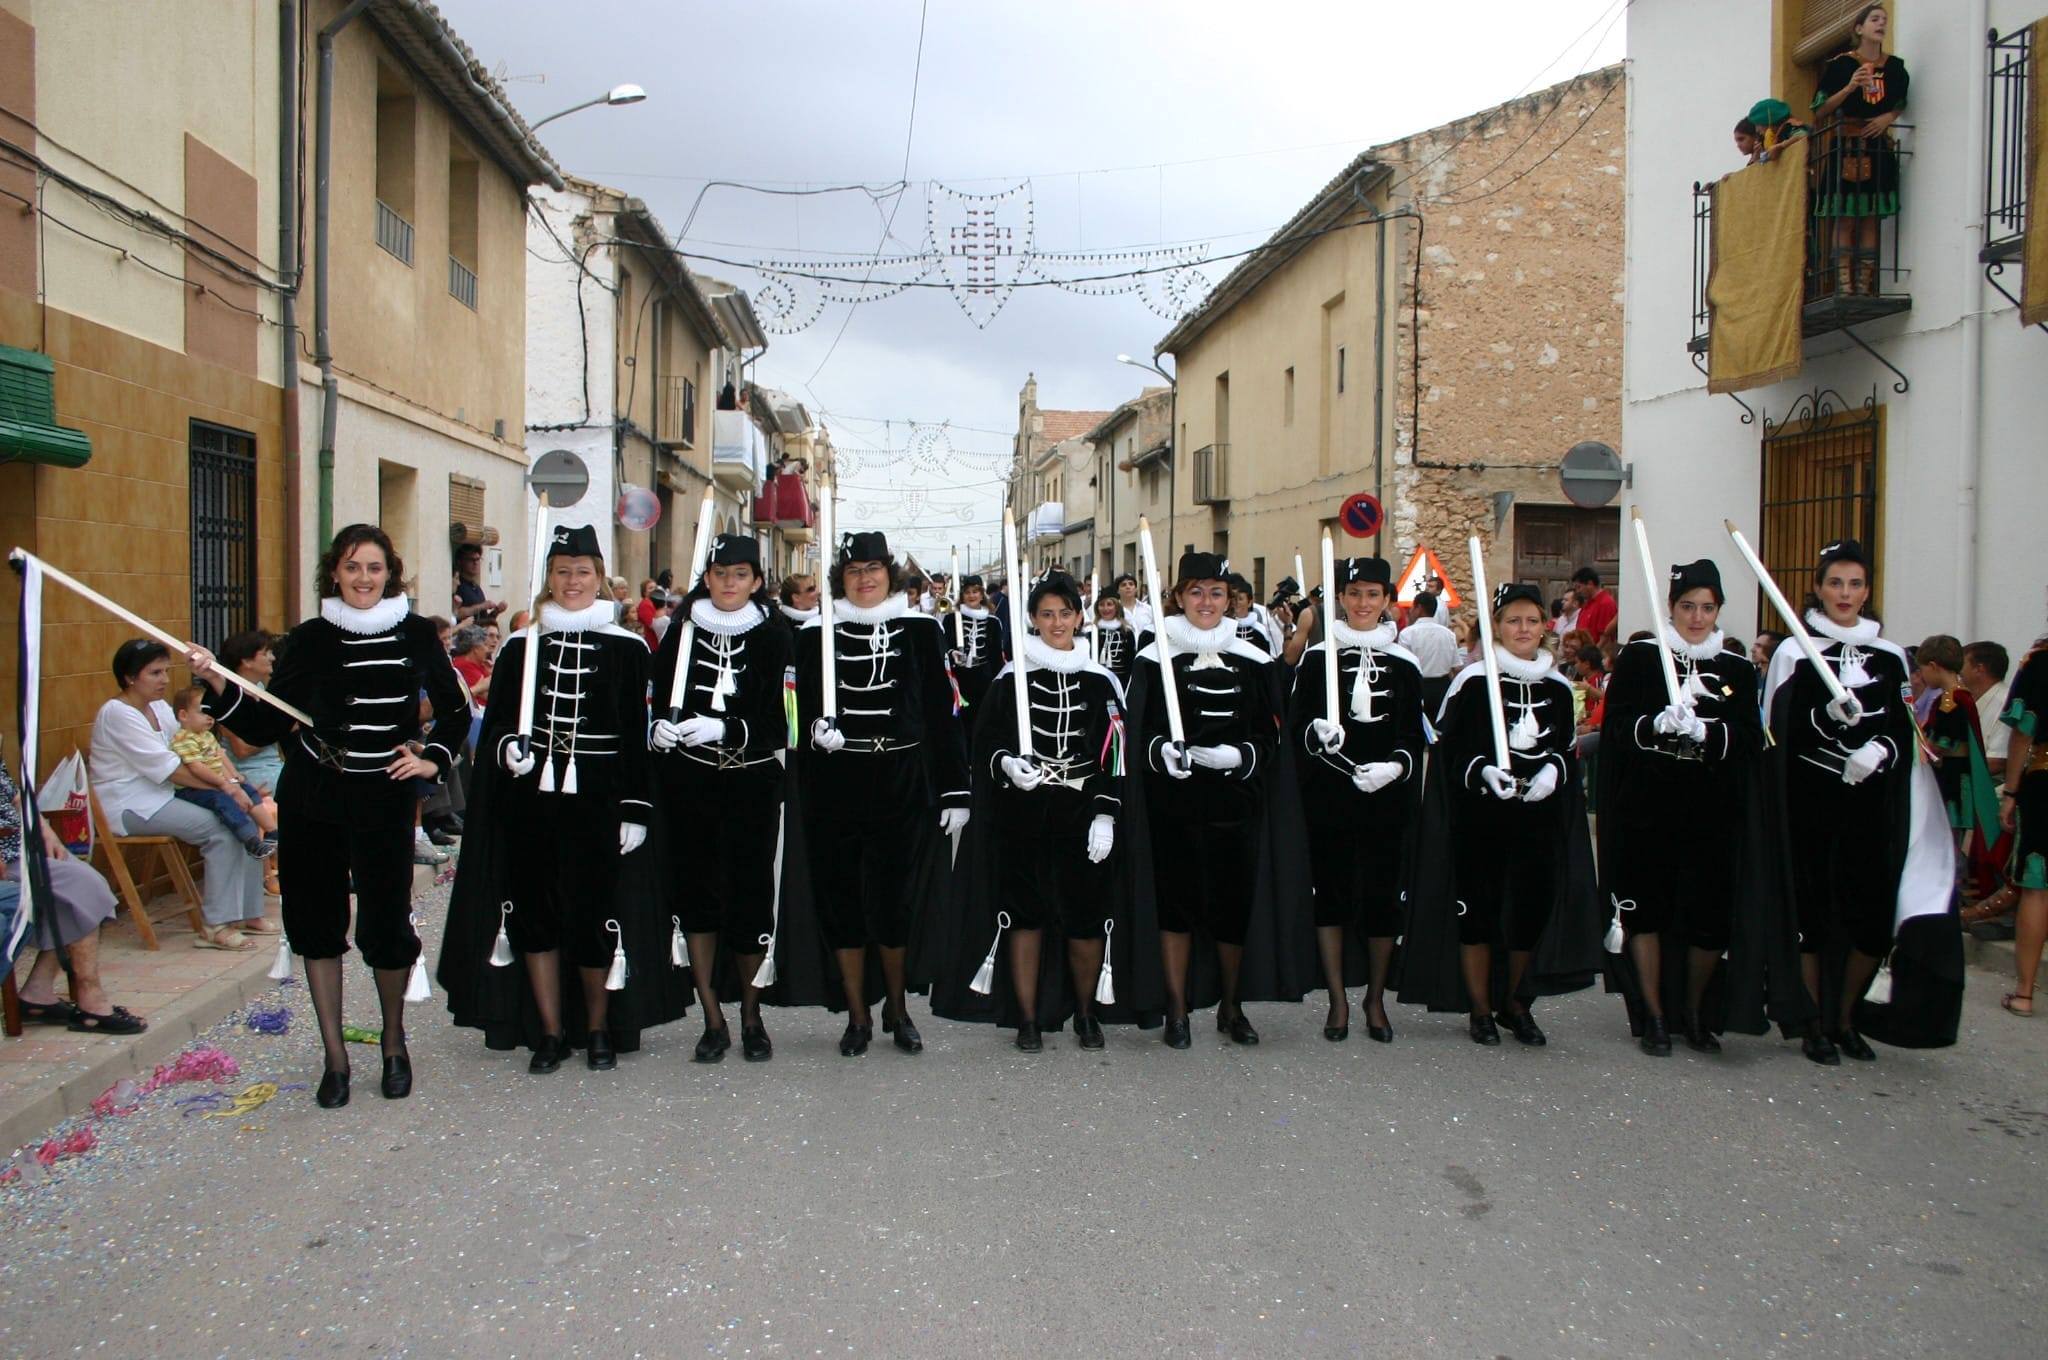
<point>1824,29</point>
<point>465,500</point>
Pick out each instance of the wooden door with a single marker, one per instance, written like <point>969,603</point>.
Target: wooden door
<point>1553,541</point>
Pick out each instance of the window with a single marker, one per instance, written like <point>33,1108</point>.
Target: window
<point>1287,397</point>
<point>223,519</point>
<point>1222,408</point>
<point>1341,356</point>
<point>1259,571</point>
<point>1822,480</point>
<point>396,117</point>
<point>465,503</point>
<point>462,233</point>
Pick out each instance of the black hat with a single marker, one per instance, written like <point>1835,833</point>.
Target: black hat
<point>1055,582</point>
<point>1511,591</point>
<point>1689,576</point>
<point>1372,571</point>
<point>1238,583</point>
<point>1844,550</point>
<point>972,578</point>
<point>735,550</point>
<point>866,546</point>
<point>574,540</point>
<point>1204,566</point>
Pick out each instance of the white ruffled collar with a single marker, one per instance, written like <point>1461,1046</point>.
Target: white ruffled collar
<point>1185,637</point>
<point>1100,624</point>
<point>380,617</point>
<point>1859,634</point>
<point>1513,666</point>
<point>846,611</point>
<point>973,611</point>
<point>597,614</point>
<point>1379,638</point>
<point>1042,657</point>
<point>799,616</point>
<point>712,619</point>
<point>1700,651</point>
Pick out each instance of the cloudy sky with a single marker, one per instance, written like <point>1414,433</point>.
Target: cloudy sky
<point>1132,122</point>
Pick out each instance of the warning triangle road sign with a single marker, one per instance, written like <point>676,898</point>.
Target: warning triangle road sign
<point>1416,576</point>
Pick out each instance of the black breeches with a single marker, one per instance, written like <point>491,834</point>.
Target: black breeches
<point>1844,868</point>
<point>863,817</point>
<point>1204,864</point>
<point>1356,869</point>
<point>1046,875</point>
<point>1505,872</point>
<point>564,874</point>
<point>362,838</point>
<point>726,826</point>
<point>1662,888</point>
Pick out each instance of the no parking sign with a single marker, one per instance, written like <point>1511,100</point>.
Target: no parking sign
<point>1361,515</point>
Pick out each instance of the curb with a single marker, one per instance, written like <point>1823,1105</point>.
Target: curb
<point>1996,955</point>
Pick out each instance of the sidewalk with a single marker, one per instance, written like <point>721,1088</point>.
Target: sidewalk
<point>50,1074</point>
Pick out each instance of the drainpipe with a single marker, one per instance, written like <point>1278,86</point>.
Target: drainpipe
<point>288,272</point>
<point>1970,428</point>
<point>323,348</point>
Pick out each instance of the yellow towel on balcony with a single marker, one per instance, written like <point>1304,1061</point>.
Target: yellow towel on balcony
<point>2034,281</point>
<point>1757,279</point>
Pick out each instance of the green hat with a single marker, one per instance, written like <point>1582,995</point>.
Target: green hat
<point>1769,112</point>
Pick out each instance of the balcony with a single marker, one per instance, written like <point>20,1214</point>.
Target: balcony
<point>2005,164</point>
<point>1212,475</point>
<point>675,416</point>
<point>461,283</point>
<point>1048,523</point>
<point>785,502</point>
<point>394,233</point>
<point>1842,289</point>
<point>735,451</point>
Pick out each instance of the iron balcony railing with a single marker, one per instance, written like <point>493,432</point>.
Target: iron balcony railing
<point>461,283</point>
<point>2005,153</point>
<point>394,233</point>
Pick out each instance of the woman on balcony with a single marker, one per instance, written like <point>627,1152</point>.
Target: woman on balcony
<point>1863,90</point>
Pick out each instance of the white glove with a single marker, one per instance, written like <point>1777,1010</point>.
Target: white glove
<point>1174,759</point>
<point>701,731</point>
<point>1216,757</point>
<point>1101,837</point>
<point>631,836</point>
<point>1845,710</point>
<point>1328,735</point>
<point>826,736</point>
<point>957,657</point>
<point>1022,773</point>
<point>1542,785</point>
<point>517,758</point>
<point>664,735</point>
<point>952,820</point>
<point>1679,721</point>
<point>1863,762</point>
<point>1373,777</point>
<point>1498,782</point>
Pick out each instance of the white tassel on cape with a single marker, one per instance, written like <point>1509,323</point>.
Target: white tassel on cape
<point>569,775</point>
<point>501,948</point>
<point>1105,981</point>
<point>416,986</point>
<point>678,948</point>
<point>985,976</point>
<point>1616,937</point>
<point>281,966</point>
<point>547,774</point>
<point>615,980</point>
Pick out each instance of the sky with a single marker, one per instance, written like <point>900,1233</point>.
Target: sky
<point>1128,122</point>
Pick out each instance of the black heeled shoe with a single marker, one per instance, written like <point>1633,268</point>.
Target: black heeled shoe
<point>1853,1045</point>
<point>1818,1048</point>
<point>1483,1030</point>
<point>547,1054</point>
<point>1656,1038</point>
<point>754,1044</point>
<point>1523,1026</point>
<point>1176,1033</point>
<point>712,1046</point>
<point>1700,1039</point>
<point>1088,1032</point>
<point>855,1040</point>
<point>1379,1034</point>
<point>397,1083</point>
<point>333,1092</point>
<point>1029,1040</point>
<point>904,1034</point>
<point>600,1056</point>
<point>1237,1027</point>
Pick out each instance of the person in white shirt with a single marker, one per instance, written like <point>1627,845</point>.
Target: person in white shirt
<point>1435,649</point>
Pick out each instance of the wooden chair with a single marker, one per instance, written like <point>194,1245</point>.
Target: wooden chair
<point>170,854</point>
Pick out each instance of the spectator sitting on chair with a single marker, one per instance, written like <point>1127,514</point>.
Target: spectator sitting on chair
<point>222,791</point>
<point>71,921</point>
<point>135,776</point>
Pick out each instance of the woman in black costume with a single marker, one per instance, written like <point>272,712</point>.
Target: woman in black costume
<point>982,646</point>
<point>1111,639</point>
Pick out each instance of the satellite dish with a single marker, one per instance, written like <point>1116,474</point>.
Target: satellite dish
<point>562,474</point>
<point>1592,474</point>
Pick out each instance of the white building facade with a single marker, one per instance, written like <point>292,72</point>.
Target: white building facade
<point>1921,429</point>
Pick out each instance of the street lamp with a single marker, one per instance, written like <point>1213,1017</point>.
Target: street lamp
<point>617,94</point>
<point>1172,451</point>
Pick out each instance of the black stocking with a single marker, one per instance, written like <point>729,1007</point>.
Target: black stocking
<point>391,997</point>
<point>323,980</point>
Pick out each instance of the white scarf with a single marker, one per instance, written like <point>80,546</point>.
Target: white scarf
<point>1704,650</point>
<point>973,611</point>
<point>1514,667</point>
<point>1855,640</point>
<point>598,614</point>
<point>728,623</point>
<point>1368,642</point>
<point>1208,644</point>
<point>380,617</point>
<point>846,611</point>
<point>1043,657</point>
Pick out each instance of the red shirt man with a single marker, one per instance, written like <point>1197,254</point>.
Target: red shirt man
<point>1597,609</point>
<point>644,612</point>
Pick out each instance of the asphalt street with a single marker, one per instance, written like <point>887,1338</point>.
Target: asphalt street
<point>1299,1198</point>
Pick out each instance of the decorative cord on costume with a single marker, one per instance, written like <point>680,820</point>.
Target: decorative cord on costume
<point>1616,936</point>
<point>1111,757</point>
<point>789,703</point>
<point>1105,981</point>
<point>985,976</point>
<point>765,975</point>
<point>501,948</point>
<point>615,980</point>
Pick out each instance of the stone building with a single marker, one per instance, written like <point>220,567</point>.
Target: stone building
<point>1039,471</point>
<point>1312,373</point>
<point>1132,447</point>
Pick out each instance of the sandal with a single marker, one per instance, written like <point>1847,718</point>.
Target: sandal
<point>47,1012</point>
<point>260,925</point>
<point>2027,997</point>
<point>226,940</point>
<point>118,1020</point>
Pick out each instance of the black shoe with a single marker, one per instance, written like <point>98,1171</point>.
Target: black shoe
<point>855,1041</point>
<point>1176,1034</point>
<point>439,837</point>
<point>1029,1040</point>
<point>1820,1049</point>
<point>1336,1034</point>
<point>1088,1032</point>
<point>1852,1045</point>
<point>397,1076</point>
<point>712,1046</point>
<point>333,1092</point>
<point>1238,1028</point>
<point>600,1056</point>
<point>450,822</point>
<point>1523,1026</point>
<point>906,1036</point>
<point>547,1054</point>
<point>1484,1031</point>
<point>263,847</point>
<point>754,1045</point>
<point>1379,1034</point>
<point>1656,1038</point>
<point>1700,1039</point>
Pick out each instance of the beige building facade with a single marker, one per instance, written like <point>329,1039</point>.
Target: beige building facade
<point>1041,471</point>
<point>1132,449</point>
